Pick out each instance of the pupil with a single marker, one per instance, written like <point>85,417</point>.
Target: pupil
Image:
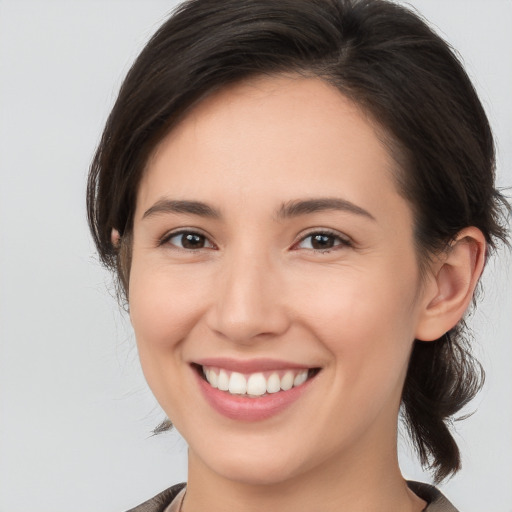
<point>192,241</point>
<point>322,241</point>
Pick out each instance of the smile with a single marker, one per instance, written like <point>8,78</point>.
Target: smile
<point>256,384</point>
<point>253,390</point>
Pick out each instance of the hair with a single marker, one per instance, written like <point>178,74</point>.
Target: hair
<point>387,60</point>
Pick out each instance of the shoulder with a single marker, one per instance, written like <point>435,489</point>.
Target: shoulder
<point>159,502</point>
<point>437,502</point>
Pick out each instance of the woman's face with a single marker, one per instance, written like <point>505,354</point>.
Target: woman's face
<point>271,246</point>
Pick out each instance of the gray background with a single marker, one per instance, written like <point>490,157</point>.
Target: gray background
<point>75,413</point>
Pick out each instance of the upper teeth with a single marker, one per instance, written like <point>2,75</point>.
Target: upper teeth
<point>254,384</point>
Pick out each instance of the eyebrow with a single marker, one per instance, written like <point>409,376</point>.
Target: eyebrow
<point>290,209</point>
<point>179,206</point>
<point>307,206</point>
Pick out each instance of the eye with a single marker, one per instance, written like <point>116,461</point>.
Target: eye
<point>189,240</point>
<point>322,241</point>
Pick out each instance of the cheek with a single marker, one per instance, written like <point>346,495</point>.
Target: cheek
<point>164,305</point>
<point>366,320</point>
<point>164,310</point>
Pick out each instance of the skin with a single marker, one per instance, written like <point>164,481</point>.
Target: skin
<point>257,288</point>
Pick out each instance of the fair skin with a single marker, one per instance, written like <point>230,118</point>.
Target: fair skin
<point>268,227</point>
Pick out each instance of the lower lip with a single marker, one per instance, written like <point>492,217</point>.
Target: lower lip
<point>243,408</point>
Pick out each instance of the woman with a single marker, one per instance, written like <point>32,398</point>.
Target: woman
<point>298,198</point>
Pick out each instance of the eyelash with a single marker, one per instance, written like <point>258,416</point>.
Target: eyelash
<point>167,239</point>
<point>340,241</point>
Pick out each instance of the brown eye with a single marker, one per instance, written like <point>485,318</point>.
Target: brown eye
<point>190,240</point>
<point>322,241</point>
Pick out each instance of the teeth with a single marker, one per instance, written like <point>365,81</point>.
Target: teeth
<point>300,378</point>
<point>237,384</point>
<point>287,381</point>
<point>223,382</point>
<point>213,379</point>
<point>255,384</point>
<point>273,383</point>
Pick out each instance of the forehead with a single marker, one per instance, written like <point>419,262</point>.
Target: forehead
<point>271,136</point>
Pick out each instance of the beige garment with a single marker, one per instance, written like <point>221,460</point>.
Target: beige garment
<point>170,500</point>
<point>175,505</point>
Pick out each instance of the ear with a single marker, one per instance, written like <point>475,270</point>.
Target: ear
<point>451,285</point>
<point>115,237</point>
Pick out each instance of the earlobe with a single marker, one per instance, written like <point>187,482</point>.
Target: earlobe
<point>452,285</point>
<point>115,238</point>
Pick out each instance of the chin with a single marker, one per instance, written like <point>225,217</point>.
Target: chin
<point>255,472</point>
<point>257,461</point>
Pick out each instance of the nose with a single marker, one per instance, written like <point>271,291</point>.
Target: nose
<point>248,301</point>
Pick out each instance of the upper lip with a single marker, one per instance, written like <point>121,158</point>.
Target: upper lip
<point>250,365</point>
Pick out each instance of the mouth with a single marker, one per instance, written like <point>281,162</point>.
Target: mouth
<point>255,384</point>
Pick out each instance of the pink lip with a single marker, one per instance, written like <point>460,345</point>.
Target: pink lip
<point>242,408</point>
<point>251,365</point>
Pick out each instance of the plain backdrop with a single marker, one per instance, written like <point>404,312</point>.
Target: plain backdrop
<point>75,412</point>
